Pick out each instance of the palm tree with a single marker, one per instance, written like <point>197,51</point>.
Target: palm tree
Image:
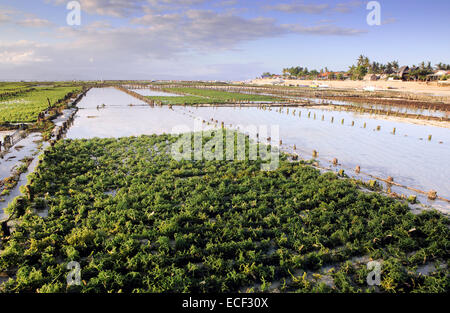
<point>363,60</point>
<point>395,65</point>
<point>442,66</point>
<point>389,68</point>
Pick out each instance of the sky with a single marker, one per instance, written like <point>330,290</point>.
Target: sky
<point>212,40</point>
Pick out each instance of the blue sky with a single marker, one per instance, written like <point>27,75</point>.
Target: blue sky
<point>217,39</point>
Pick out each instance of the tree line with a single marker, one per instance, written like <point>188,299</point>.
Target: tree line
<point>364,66</point>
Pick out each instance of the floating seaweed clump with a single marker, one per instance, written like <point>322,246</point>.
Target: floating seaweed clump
<point>211,226</point>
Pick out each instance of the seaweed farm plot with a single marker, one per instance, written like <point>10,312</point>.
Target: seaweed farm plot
<point>416,156</point>
<point>26,106</point>
<point>385,103</point>
<point>192,96</point>
<point>22,147</point>
<point>138,221</point>
<point>153,93</point>
<point>406,110</point>
<point>386,109</point>
<point>379,147</point>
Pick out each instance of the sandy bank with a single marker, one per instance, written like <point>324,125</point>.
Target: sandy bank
<point>410,87</point>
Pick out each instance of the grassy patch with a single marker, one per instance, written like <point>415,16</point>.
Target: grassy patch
<point>207,96</point>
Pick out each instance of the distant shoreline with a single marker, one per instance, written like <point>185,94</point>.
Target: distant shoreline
<point>431,88</point>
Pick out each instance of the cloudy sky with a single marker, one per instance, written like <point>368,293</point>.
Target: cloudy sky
<point>217,39</point>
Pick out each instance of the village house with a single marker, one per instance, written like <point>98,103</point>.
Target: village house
<point>326,75</point>
<point>403,72</point>
<point>371,77</point>
<point>437,75</point>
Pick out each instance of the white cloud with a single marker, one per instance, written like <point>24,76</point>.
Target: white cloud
<point>125,8</point>
<point>6,14</point>
<point>101,25</point>
<point>347,6</point>
<point>205,29</point>
<point>22,44</point>
<point>164,41</point>
<point>225,3</point>
<point>299,8</point>
<point>21,52</point>
<point>22,57</point>
<point>4,18</point>
<point>117,8</point>
<point>325,30</point>
<point>388,21</point>
<point>34,22</point>
<point>200,29</point>
<point>158,20</point>
<point>15,17</point>
<point>316,8</point>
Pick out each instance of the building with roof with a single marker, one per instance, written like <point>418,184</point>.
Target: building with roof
<point>403,72</point>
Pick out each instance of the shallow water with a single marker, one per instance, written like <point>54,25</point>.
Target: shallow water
<point>119,119</point>
<point>16,192</point>
<point>24,148</point>
<point>30,150</point>
<point>408,156</point>
<point>391,108</point>
<point>65,114</point>
<point>28,147</point>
